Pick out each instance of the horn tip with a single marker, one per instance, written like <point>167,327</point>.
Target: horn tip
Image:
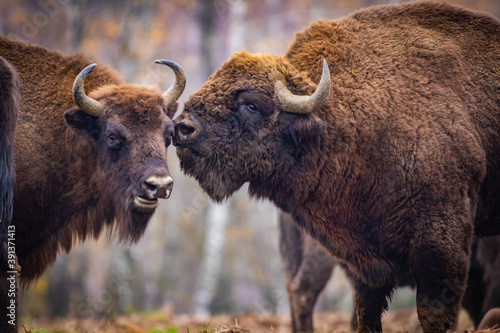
<point>325,64</point>
<point>87,69</point>
<point>169,63</point>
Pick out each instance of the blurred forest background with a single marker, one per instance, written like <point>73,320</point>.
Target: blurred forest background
<point>196,257</point>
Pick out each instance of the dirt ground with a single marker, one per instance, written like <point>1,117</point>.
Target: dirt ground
<point>399,321</point>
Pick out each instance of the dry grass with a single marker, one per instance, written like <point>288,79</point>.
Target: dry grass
<point>163,321</point>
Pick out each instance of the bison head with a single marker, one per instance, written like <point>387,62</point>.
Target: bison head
<point>129,128</point>
<point>249,123</point>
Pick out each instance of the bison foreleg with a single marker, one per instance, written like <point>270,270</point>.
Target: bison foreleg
<point>308,268</point>
<point>370,303</point>
<point>305,288</point>
<point>441,275</point>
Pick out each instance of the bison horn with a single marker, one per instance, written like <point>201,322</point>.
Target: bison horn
<point>304,104</point>
<point>87,104</point>
<point>172,94</point>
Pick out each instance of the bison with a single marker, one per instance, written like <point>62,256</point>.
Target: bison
<point>391,160</point>
<point>308,268</point>
<point>84,162</point>
<point>9,104</point>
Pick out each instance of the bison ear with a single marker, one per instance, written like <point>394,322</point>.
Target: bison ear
<point>82,123</point>
<point>304,129</point>
<point>172,110</point>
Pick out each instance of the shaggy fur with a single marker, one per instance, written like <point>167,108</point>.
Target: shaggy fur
<point>9,104</point>
<point>71,181</point>
<point>395,172</point>
<point>308,268</point>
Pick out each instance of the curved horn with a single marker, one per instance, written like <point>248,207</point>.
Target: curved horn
<point>172,94</point>
<point>304,104</point>
<point>87,104</point>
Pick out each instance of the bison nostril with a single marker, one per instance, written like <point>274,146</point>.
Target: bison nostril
<point>150,186</point>
<point>185,129</point>
<point>158,187</point>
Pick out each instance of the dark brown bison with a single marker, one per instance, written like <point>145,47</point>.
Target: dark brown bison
<point>84,162</point>
<point>9,104</point>
<point>308,268</point>
<point>391,161</point>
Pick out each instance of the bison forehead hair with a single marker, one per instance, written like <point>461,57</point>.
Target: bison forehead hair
<point>237,112</point>
<point>131,101</point>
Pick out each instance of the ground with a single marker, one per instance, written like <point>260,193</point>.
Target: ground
<point>397,321</point>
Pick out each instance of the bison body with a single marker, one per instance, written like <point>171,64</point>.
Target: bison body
<point>82,162</point>
<point>392,165</point>
<point>9,104</point>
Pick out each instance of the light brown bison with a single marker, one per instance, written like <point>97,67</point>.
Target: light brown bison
<point>391,161</point>
<point>84,162</point>
<point>9,103</point>
<point>308,268</point>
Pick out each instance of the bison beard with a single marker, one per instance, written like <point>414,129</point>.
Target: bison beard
<point>219,185</point>
<point>132,222</point>
<point>393,172</point>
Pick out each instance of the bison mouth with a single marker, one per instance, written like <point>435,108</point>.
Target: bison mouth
<point>145,204</point>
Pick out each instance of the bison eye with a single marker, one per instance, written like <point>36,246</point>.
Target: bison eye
<point>252,107</point>
<point>112,138</point>
<point>113,141</point>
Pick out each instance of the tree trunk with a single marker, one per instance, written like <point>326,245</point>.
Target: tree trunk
<point>76,22</point>
<point>217,217</point>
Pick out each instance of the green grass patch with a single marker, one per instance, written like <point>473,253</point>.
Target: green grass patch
<point>204,329</point>
<point>45,330</point>
<point>168,330</point>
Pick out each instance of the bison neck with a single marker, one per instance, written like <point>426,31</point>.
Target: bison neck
<point>56,199</point>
